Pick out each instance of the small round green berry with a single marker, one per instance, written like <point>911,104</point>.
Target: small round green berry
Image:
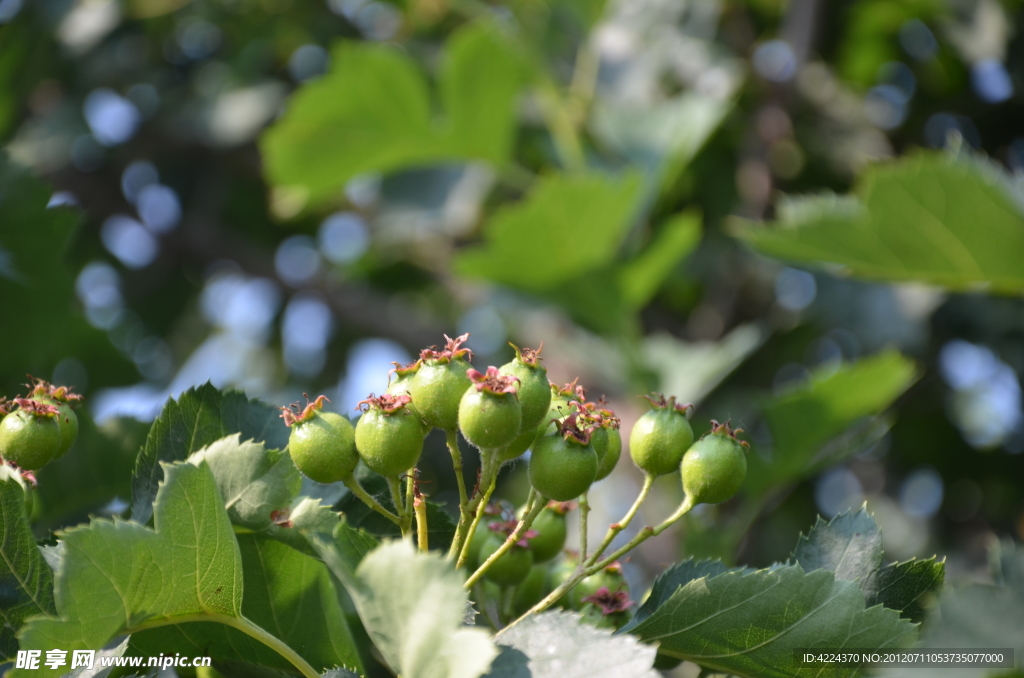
<point>560,406</point>
<point>563,466</point>
<point>513,567</point>
<point>440,382</point>
<point>550,526</point>
<point>30,436</point>
<point>714,468</point>
<point>533,388</point>
<point>322,444</point>
<point>612,452</point>
<point>489,412</point>
<point>532,589</point>
<point>661,437</point>
<point>389,435</point>
<point>63,398</point>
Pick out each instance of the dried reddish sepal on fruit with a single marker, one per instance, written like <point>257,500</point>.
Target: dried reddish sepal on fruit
<point>603,415</point>
<point>571,428</point>
<point>571,390</point>
<point>610,601</point>
<point>5,405</point>
<point>528,356</point>
<point>507,527</point>
<point>660,402</point>
<point>453,349</point>
<point>726,430</point>
<point>42,388</point>
<point>562,507</point>
<point>400,370</point>
<point>492,381</point>
<point>296,413</point>
<point>36,408</point>
<point>386,403</point>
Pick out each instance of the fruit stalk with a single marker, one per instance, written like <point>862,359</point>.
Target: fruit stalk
<point>536,504</point>
<point>396,497</point>
<point>356,489</point>
<point>464,551</point>
<point>584,512</point>
<point>614,529</point>
<point>453,447</point>
<point>420,508</point>
<point>488,478</point>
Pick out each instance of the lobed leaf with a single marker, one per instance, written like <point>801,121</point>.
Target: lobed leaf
<point>26,581</point>
<point>412,606</point>
<point>558,645</point>
<point>931,217</point>
<point>199,417</point>
<point>116,576</point>
<point>907,587</point>
<point>850,546</point>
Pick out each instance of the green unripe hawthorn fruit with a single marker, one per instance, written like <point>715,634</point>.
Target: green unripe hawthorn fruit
<point>440,382</point>
<point>714,468</point>
<point>62,398</point>
<point>30,436</point>
<point>661,437</point>
<point>516,448</point>
<point>612,452</point>
<point>551,529</point>
<point>489,412</point>
<point>533,388</point>
<point>532,589</point>
<point>609,578</point>
<point>512,567</point>
<point>563,465</point>
<point>322,444</point>
<point>389,435</point>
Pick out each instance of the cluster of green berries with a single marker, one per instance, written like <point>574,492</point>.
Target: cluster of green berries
<point>39,427</point>
<point>504,412</point>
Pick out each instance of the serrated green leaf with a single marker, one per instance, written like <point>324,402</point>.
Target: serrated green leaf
<point>199,417</point>
<point>930,217</point>
<point>849,545</point>
<point>566,226</point>
<point>750,623</point>
<point>804,419</point>
<point>557,645</point>
<point>353,543</point>
<point>907,587</point>
<point>287,593</point>
<point>116,576</point>
<point>253,480</point>
<point>412,605</point>
<point>371,113</point>
<point>26,582</point>
<point>640,277</point>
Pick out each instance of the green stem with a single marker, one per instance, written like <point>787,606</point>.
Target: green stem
<point>242,624</point>
<point>396,496</point>
<point>422,535</point>
<point>614,530</point>
<point>582,572</point>
<point>464,551</point>
<point>535,505</point>
<point>355,488</point>
<point>584,512</point>
<point>488,477</point>
<point>453,447</point>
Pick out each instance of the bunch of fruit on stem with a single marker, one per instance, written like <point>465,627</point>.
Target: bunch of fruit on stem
<point>504,412</point>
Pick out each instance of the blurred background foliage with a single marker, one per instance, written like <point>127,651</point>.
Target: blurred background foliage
<point>802,216</point>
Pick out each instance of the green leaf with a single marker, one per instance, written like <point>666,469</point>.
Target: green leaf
<point>849,545</point>
<point>287,593</point>
<point>641,276</point>
<point>353,544</point>
<point>199,417</point>
<point>371,113</point>
<point>26,582</point>
<point>117,576</point>
<point>804,419</point>
<point>932,217</point>
<point>480,78</point>
<point>750,623</point>
<point>412,605</point>
<point>253,481</point>
<point>558,645</point>
<point>908,587</point>
<point>566,226</point>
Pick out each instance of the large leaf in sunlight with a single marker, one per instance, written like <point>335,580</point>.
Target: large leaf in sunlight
<point>953,221</point>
